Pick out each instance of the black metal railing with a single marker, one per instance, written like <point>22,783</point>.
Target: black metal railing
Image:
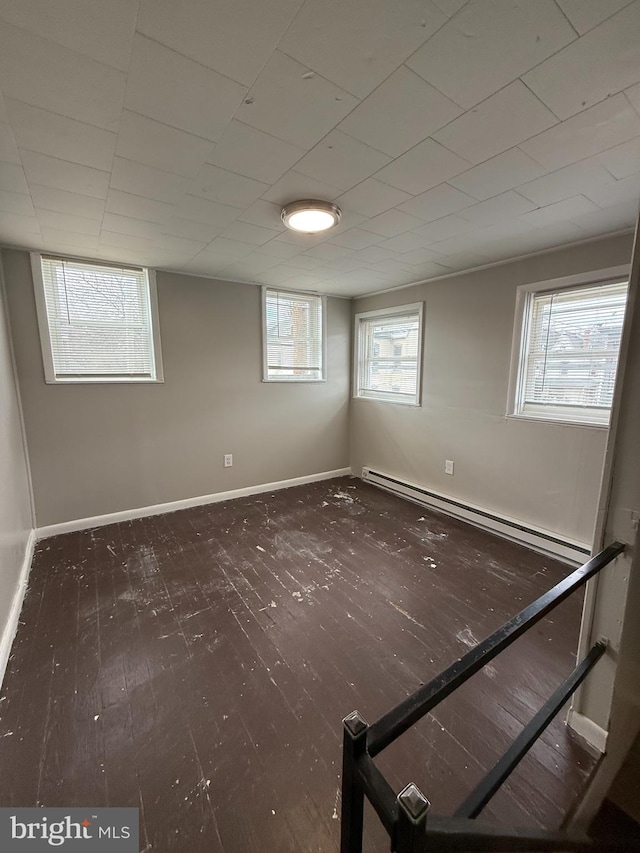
<point>404,816</point>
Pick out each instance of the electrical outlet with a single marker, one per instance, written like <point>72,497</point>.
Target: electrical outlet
<point>228,460</point>
<point>448,466</point>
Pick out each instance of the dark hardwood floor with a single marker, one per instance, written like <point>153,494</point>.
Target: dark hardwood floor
<point>198,665</point>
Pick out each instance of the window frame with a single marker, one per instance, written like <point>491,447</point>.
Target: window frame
<point>524,297</point>
<point>323,350</point>
<point>46,347</point>
<point>382,313</point>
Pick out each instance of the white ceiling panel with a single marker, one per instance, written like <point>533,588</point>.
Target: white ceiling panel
<point>8,148</point>
<point>292,103</point>
<point>51,172</point>
<point>616,192</point>
<point>502,121</point>
<point>172,89</point>
<point>355,238</point>
<point>392,222</point>
<point>251,265</point>
<point>219,185</point>
<point>360,43</point>
<point>234,37</point>
<point>248,151</point>
<point>607,124</point>
<point>616,218</point>
<point>138,206</point>
<point>130,225</point>
<point>567,182</point>
<point>372,197</point>
<point>40,130</point>
<point>59,240</point>
<point>500,173</point>
<point>341,160</point>
<point>21,230</point>
<point>12,178</point>
<point>436,203</point>
<point>99,30</point>
<point>425,166</point>
<point>504,206</point>
<point>559,212</point>
<point>294,186</point>
<point>188,229</point>
<point>623,160</point>
<point>265,214</point>
<point>156,144</point>
<point>65,222</point>
<point>247,233</point>
<point>277,249</point>
<point>115,239</point>
<point>44,74</point>
<point>443,229</point>
<point>602,62</point>
<point>586,14</point>
<point>401,112</point>
<point>488,44</point>
<point>61,201</point>
<point>138,179</point>
<point>16,203</point>
<point>407,242</point>
<point>204,210</point>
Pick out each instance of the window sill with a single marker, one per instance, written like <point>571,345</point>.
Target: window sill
<point>294,381</point>
<point>387,401</point>
<point>555,421</point>
<point>108,380</point>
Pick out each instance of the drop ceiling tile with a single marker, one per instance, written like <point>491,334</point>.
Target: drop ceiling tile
<point>59,80</point>
<point>590,132</point>
<point>372,255</point>
<point>503,206</point>
<point>3,112</point>
<point>179,246</point>
<point>443,229</point>
<point>292,103</point>
<point>616,192</point>
<point>60,240</point>
<point>489,44</point>
<point>249,267</point>
<point>450,7</point>
<point>436,203</point>
<point>226,187</point>
<point>619,217</point>
<point>341,265</point>
<point>190,230</point>
<point>424,167</point>
<point>16,203</point>
<point>599,64</point>
<point>115,239</point>
<point>294,185</point>
<point>559,212</point>
<point>265,214</point>
<point>623,160</point>
<point>633,94</point>
<point>401,112</point>
<point>234,37</point>
<point>221,250</point>
<point>394,266</point>
<point>203,210</point>
<point>130,225</point>
<point>355,44</point>
<point>47,133</point>
<point>566,182</point>
<point>98,30</point>
<point>392,222</point>
<point>138,179</point>
<point>462,261</point>
<point>51,172</point>
<point>407,242</point>
<point>15,226</point>
<point>155,144</point>
<point>172,89</point>
<point>277,249</point>
<point>372,197</point>
<point>247,233</point>
<point>66,222</point>
<point>341,160</point>
<point>305,262</point>
<point>502,121</point>
<point>302,241</point>
<point>276,275</point>
<point>500,173</point>
<point>420,257</point>
<point>8,148</point>
<point>586,14</point>
<point>138,207</point>
<point>248,151</point>
<point>73,204</point>
<point>537,240</point>
<point>355,238</point>
<point>327,252</point>
<point>12,178</point>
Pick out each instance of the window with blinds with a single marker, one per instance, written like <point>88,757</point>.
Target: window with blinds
<point>293,336</point>
<point>96,321</point>
<point>571,341</point>
<point>388,352</point>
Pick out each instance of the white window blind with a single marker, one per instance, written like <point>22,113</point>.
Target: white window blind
<point>293,336</point>
<point>388,352</point>
<point>99,321</point>
<point>570,354</point>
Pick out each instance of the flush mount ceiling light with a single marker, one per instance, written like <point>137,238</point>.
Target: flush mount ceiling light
<point>310,216</point>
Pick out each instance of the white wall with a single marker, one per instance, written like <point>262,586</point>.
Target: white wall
<point>15,503</point>
<point>542,474</point>
<point>103,448</point>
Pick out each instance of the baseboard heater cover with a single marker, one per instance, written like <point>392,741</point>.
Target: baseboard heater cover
<point>541,540</point>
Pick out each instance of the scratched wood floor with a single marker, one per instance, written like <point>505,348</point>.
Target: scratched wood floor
<point>198,664</point>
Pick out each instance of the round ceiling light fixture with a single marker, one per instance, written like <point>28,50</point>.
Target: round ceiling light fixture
<point>310,216</point>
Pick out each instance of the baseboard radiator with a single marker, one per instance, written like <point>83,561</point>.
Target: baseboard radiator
<point>540,540</point>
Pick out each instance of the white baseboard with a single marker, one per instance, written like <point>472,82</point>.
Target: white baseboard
<point>187,503</point>
<point>544,541</point>
<point>594,734</point>
<point>11,625</point>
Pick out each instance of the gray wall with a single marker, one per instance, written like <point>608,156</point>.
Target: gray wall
<point>98,449</point>
<point>545,475</point>
<point>15,502</point>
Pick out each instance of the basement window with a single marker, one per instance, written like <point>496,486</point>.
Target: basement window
<point>388,356</point>
<point>567,352</point>
<point>98,321</point>
<point>293,336</point>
